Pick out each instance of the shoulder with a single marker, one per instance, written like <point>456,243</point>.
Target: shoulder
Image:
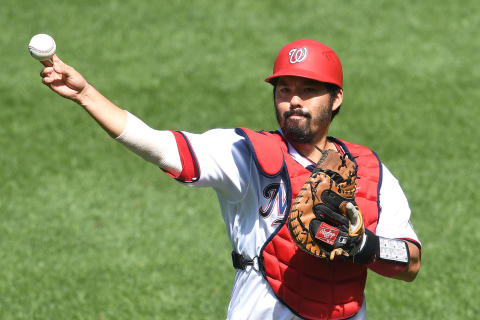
<point>221,159</point>
<point>263,141</point>
<point>214,140</point>
<point>218,134</point>
<point>268,149</point>
<point>354,148</point>
<point>262,135</point>
<point>390,184</point>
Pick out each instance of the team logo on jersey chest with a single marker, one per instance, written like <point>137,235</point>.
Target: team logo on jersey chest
<point>277,202</point>
<point>298,54</point>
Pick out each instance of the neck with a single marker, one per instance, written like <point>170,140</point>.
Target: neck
<point>310,151</point>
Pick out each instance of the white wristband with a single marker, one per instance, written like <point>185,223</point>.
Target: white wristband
<point>393,250</point>
<point>155,146</point>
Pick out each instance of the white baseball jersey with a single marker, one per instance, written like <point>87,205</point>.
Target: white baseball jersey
<point>253,205</point>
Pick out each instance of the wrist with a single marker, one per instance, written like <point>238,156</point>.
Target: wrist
<point>382,249</point>
<point>84,96</point>
<point>369,249</point>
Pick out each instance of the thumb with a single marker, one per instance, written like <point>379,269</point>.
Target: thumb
<point>58,65</point>
<point>352,213</point>
<point>355,217</point>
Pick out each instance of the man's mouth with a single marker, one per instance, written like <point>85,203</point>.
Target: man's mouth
<point>296,113</point>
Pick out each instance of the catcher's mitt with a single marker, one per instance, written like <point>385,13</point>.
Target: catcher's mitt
<point>323,220</point>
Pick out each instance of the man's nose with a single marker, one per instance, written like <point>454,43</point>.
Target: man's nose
<point>295,102</point>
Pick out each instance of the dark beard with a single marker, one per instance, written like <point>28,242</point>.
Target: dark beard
<point>297,133</point>
<point>303,133</point>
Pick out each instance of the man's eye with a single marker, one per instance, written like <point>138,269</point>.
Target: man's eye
<point>309,90</point>
<point>284,90</point>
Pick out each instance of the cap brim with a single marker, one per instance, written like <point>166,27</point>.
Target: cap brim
<point>301,73</point>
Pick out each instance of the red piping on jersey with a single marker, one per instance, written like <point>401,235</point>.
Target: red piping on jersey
<point>314,288</point>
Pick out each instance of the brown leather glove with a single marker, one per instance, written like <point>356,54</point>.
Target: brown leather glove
<point>320,221</point>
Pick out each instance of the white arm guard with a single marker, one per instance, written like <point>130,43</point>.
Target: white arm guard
<point>157,147</point>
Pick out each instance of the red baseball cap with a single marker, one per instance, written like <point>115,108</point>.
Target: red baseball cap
<point>308,59</point>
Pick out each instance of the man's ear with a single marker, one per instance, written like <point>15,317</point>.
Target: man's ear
<point>337,101</point>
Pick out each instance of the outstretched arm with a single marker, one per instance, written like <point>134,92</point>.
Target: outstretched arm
<point>70,84</point>
<point>158,147</point>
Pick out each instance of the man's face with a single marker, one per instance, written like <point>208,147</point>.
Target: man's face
<point>303,108</point>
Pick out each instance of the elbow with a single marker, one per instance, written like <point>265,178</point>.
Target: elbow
<point>411,272</point>
<point>409,277</point>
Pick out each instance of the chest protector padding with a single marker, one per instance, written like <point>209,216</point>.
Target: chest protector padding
<point>314,288</point>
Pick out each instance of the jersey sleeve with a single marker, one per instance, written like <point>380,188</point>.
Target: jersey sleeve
<point>394,221</point>
<point>218,158</point>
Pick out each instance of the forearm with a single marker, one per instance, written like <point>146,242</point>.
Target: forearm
<point>413,267</point>
<point>109,116</point>
<point>156,146</point>
<point>406,272</point>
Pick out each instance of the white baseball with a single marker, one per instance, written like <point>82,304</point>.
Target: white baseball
<point>42,46</point>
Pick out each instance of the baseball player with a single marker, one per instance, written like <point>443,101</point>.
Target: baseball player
<point>257,176</point>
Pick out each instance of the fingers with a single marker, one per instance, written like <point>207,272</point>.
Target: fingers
<point>49,80</point>
<point>46,71</point>
<point>49,75</point>
<point>338,252</point>
<point>58,65</point>
<point>46,63</point>
<point>54,70</point>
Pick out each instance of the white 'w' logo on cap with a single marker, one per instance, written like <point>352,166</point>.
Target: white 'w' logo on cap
<point>298,54</point>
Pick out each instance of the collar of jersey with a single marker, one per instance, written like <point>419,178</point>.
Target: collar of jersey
<point>305,162</point>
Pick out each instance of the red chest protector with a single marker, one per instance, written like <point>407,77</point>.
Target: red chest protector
<point>314,288</point>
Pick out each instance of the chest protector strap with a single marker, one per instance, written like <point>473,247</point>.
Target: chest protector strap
<point>313,288</point>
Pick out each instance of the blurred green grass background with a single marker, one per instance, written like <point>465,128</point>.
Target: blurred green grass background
<point>90,231</point>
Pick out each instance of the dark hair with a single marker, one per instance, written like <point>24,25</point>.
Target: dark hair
<point>332,89</point>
